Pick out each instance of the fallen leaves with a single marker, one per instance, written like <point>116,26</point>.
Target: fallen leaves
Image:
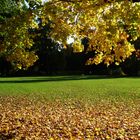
<point>23,118</point>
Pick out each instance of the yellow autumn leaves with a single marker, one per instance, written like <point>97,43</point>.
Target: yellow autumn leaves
<point>18,42</point>
<point>110,27</point>
<point>24,118</point>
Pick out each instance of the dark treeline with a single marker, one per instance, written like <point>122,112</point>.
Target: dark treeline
<point>56,60</point>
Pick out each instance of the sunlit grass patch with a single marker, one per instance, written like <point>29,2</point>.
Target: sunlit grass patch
<point>94,88</point>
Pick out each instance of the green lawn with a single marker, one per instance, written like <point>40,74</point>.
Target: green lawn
<point>111,108</point>
<point>76,87</point>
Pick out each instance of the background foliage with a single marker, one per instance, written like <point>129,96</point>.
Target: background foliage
<point>35,34</point>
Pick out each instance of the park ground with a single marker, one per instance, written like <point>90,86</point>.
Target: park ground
<point>70,107</point>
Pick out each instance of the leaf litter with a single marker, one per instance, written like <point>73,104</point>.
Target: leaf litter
<point>29,119</point>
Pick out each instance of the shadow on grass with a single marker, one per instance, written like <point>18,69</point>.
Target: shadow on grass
<point>53,78</point>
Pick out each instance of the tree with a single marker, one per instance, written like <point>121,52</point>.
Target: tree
<point>8,8</point>
<point>111,26</point>
<point>16,41</point>
<point>51,54</point>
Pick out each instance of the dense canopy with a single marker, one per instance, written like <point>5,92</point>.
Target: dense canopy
<point>111,27</point>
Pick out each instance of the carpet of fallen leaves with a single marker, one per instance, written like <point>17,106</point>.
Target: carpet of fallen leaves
<point>27,119</point>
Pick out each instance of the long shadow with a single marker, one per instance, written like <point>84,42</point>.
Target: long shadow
<point>51,79</point>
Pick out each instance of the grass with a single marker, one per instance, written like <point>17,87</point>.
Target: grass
<point>92,88</point>
<point>69,108</point>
